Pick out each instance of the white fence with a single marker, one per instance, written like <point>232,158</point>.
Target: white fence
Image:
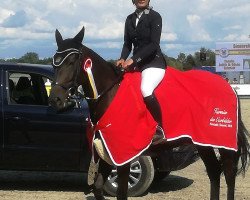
<point>242,89</point>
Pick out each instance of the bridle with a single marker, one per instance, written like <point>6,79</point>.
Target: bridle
<point>58,61</point>
<point>73,92</point>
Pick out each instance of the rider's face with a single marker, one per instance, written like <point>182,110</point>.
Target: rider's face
<point>141,3</point>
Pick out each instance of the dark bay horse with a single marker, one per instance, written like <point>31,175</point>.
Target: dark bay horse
<point>100,86</point>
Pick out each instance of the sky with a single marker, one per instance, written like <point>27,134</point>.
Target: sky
<point>188,25</point>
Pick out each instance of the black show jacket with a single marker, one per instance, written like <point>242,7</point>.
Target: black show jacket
<point>145,38</point>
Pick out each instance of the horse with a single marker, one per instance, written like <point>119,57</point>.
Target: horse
<point>100,86</point>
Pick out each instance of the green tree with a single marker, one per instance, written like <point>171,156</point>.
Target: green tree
<point>182,62</point>
<point>45,61</point>
<point>189,63</point>
<point>181,57</point>
<point>210,57</point>
<point>173,62</point>
<point>12,60</point>
<point>2,60</point>
<point>30,57</point>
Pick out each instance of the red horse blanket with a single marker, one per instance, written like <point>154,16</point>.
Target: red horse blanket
<point>195,104</point>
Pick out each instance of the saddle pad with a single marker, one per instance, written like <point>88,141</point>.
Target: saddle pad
<point>195,104</point>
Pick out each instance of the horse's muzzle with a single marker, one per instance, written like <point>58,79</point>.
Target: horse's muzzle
<point>60,105</point>
<point>61,98</point>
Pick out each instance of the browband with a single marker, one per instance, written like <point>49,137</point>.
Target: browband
<point>58,60</point>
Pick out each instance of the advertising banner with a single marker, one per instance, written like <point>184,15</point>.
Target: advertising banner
<point>233,56</point>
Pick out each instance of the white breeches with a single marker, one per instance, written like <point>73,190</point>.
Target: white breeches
<point>151,77</point>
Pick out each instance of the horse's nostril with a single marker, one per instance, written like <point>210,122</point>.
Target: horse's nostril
<point>72,91</point>
<point>54,100</point>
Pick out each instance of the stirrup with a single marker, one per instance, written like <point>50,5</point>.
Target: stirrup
<point>159,136</point>
<point>160,131</point>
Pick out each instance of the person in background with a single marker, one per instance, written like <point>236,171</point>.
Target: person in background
<point>228,80</point>
<point>143,32</point>
<point>235,81</point>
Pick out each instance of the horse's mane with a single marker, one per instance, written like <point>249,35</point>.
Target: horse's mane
<point>111,65</point>
<point>116,69</point>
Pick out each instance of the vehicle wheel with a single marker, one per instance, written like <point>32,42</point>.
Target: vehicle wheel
<point>140,177</point>
<point>160,175</point>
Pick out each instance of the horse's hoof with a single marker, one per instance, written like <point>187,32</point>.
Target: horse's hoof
<point>98,194</point>
<point>89,190</point>
<point>99,198</point>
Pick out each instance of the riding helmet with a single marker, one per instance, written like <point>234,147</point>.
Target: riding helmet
<point>133,1</point>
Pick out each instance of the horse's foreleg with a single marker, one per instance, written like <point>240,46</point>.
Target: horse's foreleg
<point>123,176</point>
<point>213,168</point>
<point>103,173</point>
<point>229,164</point>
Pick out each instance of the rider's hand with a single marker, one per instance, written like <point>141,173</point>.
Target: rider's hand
<point>120,62</point>
<point>127,63</point>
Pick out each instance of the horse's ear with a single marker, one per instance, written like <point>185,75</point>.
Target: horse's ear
<point>80,35</point>
<point>59,38</point>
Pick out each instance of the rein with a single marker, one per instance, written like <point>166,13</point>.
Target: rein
<point>105,91</point>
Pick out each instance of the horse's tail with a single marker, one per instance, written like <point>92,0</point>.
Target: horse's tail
<point>243,144</point>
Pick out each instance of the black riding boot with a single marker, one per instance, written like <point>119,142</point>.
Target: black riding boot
<point>154,108</point>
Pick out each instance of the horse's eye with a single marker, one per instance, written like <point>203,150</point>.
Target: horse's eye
<point>58,59</point>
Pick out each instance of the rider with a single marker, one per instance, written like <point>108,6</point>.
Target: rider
<point>143,30</point>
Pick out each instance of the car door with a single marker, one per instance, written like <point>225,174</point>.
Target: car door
<point>1,116</point>
<point>36,137</point>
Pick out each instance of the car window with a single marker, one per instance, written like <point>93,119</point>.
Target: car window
<point>29,89</point>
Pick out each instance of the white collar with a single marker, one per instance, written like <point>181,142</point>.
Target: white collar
<point>146,11</point>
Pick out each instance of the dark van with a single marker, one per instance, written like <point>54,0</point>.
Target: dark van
<point>35,137</point>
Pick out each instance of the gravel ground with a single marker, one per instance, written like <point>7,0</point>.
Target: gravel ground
<point>190,183</point>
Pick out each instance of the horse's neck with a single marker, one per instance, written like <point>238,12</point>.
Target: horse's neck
<point>104,77</point>
<point>98,108</point>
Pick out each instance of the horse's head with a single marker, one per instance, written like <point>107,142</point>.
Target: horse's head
<point>76,65</point>
<point>66,63</point>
